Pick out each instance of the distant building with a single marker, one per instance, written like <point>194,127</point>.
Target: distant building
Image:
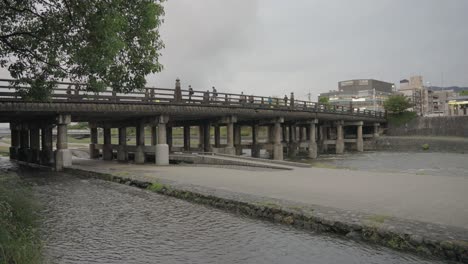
<point>363,94</point>
<point>438,102</point>
<point>458,106</point>
<point>416,92</point>
<point>433,101</point>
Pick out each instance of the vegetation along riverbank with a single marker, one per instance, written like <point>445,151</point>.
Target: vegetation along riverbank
<point>19,219</point>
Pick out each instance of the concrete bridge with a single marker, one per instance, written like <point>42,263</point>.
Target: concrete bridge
<point>293,125</point>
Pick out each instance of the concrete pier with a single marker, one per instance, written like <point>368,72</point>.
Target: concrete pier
<point>140,143</point>
<point>359,139</point>
<point>255,146</point>
<point>238,139</point>
<point>15,140</point>
<point>107,153</point>
<point>312,139</point>
<point>162,148</point>
<point>63,157</point>
<point>187,138</point>
<point>339,138</point>
<point>278,147</point>
<point>47,153</point>
<point>93,150</point>
<point>122,154</point>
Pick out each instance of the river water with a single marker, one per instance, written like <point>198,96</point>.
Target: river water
<point>424,163</point>
<point>93,221</point>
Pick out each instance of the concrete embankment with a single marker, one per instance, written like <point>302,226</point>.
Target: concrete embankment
<point>422,143</point>
<point>443,126</point>
<point>429,239</point>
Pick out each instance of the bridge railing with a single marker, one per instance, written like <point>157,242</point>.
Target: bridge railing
<point>76,93</point>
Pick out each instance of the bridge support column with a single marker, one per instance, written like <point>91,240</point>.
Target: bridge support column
<point>187,138</point>
<point>162,148</point>
<point>230,149</point>
<point>301,134</point>
<point>292,141</point>
<point>23,152</point>
<point>107,153</point>
<point>35,144</point>
<point>63,157</point>
<point>255,147</point>
<point>238,139</point>
<point>359,140</point>
<point>169,136</point>
<point>201,137</point>
<point>207,136</point>
<point>15,140</point>
<point>339,138</point>
<point>217,136</point>
<point>154,138</point>
<point>93,151</point>
<point>278,147</point>
<point>312,140</point>
<point>122,154</point>
<point>140,143</point>
<point>47,153</point>
<point>376,130</point>
<point>284,134</point>
<point>324,138</point>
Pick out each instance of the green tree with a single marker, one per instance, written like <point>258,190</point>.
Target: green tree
<point>113,43</point>
<point>324,100</point>
<point>397,104</point>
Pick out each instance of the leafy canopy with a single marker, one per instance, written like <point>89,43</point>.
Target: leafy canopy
<point>111,43</point>
<point>397,104</point>
<point>324,100</point>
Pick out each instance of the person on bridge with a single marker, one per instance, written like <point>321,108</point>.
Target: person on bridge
<point>285,100</point>
<point>190,93</point>
<point>215,94</point>
<point>206,96</point>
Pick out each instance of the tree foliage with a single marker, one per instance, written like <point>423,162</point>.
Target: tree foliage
<point>112,43</point>
<point>324,100</point>
<point>397,104</point>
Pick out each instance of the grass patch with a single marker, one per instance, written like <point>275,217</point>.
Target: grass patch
<point>400,119</point>
<point>157,187</point>
<point>19,220</point>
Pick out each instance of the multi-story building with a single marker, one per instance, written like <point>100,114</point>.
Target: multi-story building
<point>363,94</point>
<point>439,102</point>
<point>417,93</point>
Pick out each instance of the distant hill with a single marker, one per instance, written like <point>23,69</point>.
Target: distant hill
<point>454,88</point>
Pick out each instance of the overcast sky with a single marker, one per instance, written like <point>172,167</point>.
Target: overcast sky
<point>273,47</point>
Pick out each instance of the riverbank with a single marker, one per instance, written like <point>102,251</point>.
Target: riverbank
<point>245,192</point>
<point>19,235</point>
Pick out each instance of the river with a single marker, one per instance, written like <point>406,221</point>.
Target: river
<point>423,163</point>
<point>93,221</point>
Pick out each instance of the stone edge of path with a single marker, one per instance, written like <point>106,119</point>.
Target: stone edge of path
<point>426,239</point>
